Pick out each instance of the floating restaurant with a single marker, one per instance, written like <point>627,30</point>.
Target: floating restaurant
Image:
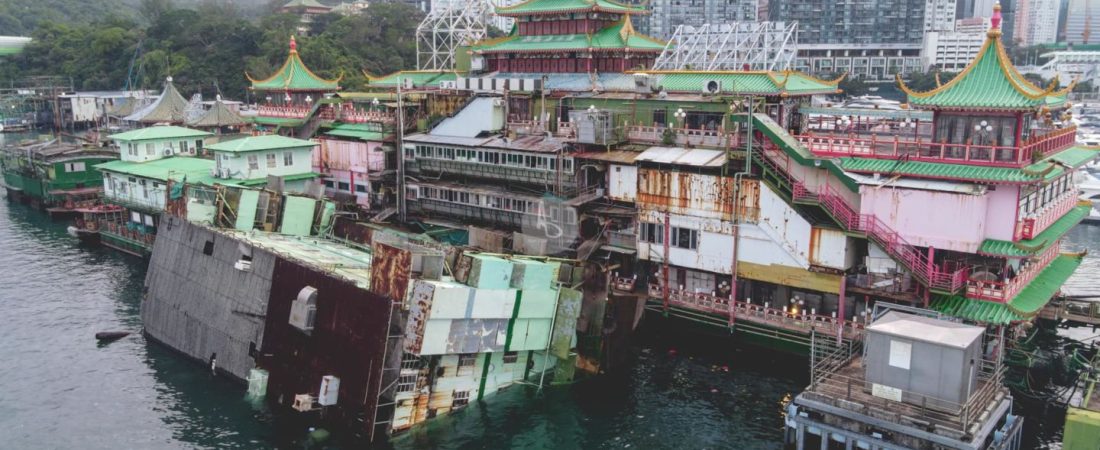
<point>451,233</point>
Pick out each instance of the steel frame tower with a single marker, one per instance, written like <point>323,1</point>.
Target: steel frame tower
<point>456,23</point>
<point>734,46</point>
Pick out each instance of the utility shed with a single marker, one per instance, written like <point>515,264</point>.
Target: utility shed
<point>922,360</point>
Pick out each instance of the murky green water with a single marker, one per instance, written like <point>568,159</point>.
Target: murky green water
<point>59,389</point>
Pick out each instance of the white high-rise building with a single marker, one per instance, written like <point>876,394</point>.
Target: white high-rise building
<point>939,15</point>
<point>1037,21</point>
<point>1083,22</point>
<point>951,51</point>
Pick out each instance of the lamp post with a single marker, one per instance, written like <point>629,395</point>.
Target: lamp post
<point>680,116</point>
<point>983,131</point>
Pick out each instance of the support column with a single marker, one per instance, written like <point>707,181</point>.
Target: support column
<point>824,440</point>
<point>800,437</point>
<point>840,310</point>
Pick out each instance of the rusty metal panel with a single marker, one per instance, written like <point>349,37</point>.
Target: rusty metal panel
<point>829,248</point>
<point>622,182</point>
<point>390,268</point>
<point>699,195</point>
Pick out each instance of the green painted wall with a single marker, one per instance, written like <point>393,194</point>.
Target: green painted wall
<point>1082,430</point>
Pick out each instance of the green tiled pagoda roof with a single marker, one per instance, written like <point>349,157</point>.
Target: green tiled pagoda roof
<point>566,6</point>
<point>976,310</point>
<point>1025,305</point>
<point>620,35</point>
<point>989,82</point>
<point>260,143</point>
<point>1048,168</point>
<point>277,121</point>
<point>294,76</point>
<point>197,170</point>
<point>158,132</point>
<point>419,78</point>
<point>292,4</point>
<point>748,82</point>
<point>1037,293</point>
<point>357,131</point>
<point>262,181</point>
<point>1039,243</point>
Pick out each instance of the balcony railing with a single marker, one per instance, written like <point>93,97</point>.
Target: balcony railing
<point>1030,226</point>
<point>286,112</point>
<point>788,319</point>
<point>360,116</point>
<point>1003,291</point>
<point>917,150</point>
<point>681,136</point>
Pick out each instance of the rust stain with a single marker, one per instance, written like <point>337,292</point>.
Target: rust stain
<point>815,244</point>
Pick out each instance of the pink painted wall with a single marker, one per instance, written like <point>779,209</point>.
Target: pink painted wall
<point>1000,214</point>
<point>928,218</point>
<point>356,156</point>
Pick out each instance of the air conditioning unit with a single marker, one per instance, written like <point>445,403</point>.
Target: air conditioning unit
<point>498,102</point>
<point>407,83</point>
<point>643,83</point>
<point>303,403</point>
<point>304,309</point>
<point>449,84</point>
<point>243,265</point>
<point>167,151</point>
<point>712,87</point>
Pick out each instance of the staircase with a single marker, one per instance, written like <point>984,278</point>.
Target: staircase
<point>313,122</point>
<point>776,163</point>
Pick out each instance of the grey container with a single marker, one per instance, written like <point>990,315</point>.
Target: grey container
<point>933,362</point>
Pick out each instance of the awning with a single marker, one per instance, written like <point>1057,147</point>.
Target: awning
<point>617,249</point>
<point>616,156</point>
<point>683,156</point>
<point>357,131</point>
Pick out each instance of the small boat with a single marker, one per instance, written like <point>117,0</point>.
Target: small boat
<point>92,219</point>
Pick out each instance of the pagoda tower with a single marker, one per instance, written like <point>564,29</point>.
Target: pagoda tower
<point>569,36</point>
<point>992,106</point>
<point>289,96</point>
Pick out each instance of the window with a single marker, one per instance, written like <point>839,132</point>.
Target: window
<point>684,238</point>
<point>271,161</point>
<point>329,184</point>
<point>652,233</point>
<point>74,167</point>
<point>461,398</point>
<point>253,162</point>
<point>406,383</point>
<point>467,359</point>
<point>198,145</point>
<point>150,149</point>
<point>208,248</point>
<point>360,189</point>
<point>288,158</point>
<point>132,148</point>
<point>183,146</point>
<point>343,186</point>
<point>511,357</point>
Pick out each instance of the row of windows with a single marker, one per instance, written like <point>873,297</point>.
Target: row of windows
<point>344,186</point>
<point>272,160</point>
<point>1037,198</point>
<point>679,237</point>
<point>498,201</point>
<point>75,167</point>
<point>495,157</point>
<point>151,148</point>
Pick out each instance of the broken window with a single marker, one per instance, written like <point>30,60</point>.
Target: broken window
<point>406,383</point>
<point>511,357</point>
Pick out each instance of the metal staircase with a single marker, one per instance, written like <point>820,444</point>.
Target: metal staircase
<point>776,164</point>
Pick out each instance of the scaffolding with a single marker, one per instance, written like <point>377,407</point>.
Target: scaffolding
<point>734,46</point>
<point>444,29</point>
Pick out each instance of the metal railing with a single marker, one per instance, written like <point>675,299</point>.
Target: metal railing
<point>837,378</point>
<point>915,261</point>
<point>286,112</point>
<point>764,314</point>
<point>917,150</point>
<point>1035,222</point>
<point>1003,291</point>
<point>681,136</point>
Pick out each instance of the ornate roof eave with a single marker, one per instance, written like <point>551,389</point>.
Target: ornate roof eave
<point>291,57</point>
